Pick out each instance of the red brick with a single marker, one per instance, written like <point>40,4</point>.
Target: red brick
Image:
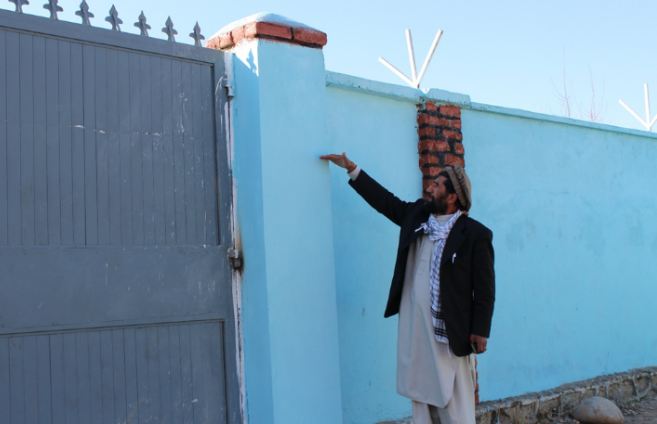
<point>428,159</point>
<point>309,37</point>
<point>452,135</point>
<point>425,119</point>
<point>454,160</point>
<point>454,123</point>
<point>458,148</point>
<point>430,107</point>
<point>433,146</point>
<point>267,30</point>
<point>427,132</point>
<point>431,172</point>
<point>220,42</point>
<point>237,34</point>
<point>450,111</point>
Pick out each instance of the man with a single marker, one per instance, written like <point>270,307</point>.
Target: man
<point>443,288</point>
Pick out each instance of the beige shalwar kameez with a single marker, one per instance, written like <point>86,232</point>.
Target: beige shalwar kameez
<point>428,372</point>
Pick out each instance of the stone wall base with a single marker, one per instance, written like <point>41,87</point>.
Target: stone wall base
<point>623,388</point>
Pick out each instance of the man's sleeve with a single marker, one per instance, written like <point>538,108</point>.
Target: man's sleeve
<point>379,198</point>
<point>483,285</point>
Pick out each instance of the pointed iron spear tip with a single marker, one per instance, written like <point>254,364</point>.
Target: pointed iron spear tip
<point>196,35</point>
<point>53,7</point>
<point>19,4</point>
<point>84,13</point>
<point>114,19</point>
<point>169,30</point>
<point>142,25</point>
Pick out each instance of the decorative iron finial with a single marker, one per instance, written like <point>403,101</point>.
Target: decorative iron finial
<point>84,13</point>
<point>53,7</point>
<point>19,4</point>
<point>169,31</point>
<point>142,25</point>
<point>114,19</point>
<point>197,36</point>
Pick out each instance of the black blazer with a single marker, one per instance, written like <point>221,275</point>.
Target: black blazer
<point>467,280</point>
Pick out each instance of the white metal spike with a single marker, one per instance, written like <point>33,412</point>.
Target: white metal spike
<point>432,50</point>
<point>416,78</point>
<point>411,55</point>
<point>649,121</point>
<point>397,72</point>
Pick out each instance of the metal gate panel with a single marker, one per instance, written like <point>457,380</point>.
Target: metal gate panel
<point>115,289</point>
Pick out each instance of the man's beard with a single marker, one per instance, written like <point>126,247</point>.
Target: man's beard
<point>438,205</point>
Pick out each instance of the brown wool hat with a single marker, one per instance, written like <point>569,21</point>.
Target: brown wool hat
<point>461,184</point>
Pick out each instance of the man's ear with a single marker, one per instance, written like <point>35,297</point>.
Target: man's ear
<point>452,198</point>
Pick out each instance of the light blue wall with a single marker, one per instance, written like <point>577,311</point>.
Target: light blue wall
<point>574,214</point>
<point>288,313</point>
<point>572,206</point>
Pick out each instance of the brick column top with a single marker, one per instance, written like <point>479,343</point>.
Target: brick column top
<point>268,26</point>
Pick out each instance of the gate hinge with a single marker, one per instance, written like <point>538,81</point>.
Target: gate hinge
<point>235,258</point>
<point>227,86</point>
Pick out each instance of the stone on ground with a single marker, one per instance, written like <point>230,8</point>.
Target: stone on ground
<point>598,410</point>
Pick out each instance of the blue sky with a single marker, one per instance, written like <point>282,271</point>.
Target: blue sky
<point>512,53</point>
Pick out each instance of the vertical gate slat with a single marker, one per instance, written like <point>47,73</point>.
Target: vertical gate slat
<point>66,134</point>
<point>188,148</point>
<point>84,399</point>
<point>119,376</point>
<point>168,138</point>
<point>95,376</point>
<point>211,227</point>
<point>57,378</point>
<point>30,378</point>
<point>4,200</point>
<point>5,379</point>
<point>153,367</point>
<point>113,149</point>
<point>107,377</point>
<point>165,373</point>
<point>101,132</point>
<point>146,141</point>
<point>143,377</point>
<point>77,146</point>
<point>90,145</point>
<point>43,379</point>
<point>136,155</point>
<point>40,147</point>
<point>122,78</point>
<point>158,137</point>
<point>53,142</point>
<point>177,399</point>
<point>27,205</point>
<point>131,375</point>
<point>187,376</point>
<point>179,153</point>
<point>14,217</point>
<point>198,207</point>
<point>17,378</point>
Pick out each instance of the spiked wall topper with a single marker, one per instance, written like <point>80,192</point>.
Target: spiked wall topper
<point>169,30</point>
<point>19,4</point>
<point>142,25</point>
<point>84,13</point>
<point>53,8</point>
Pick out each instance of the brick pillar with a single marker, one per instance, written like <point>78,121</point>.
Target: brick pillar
<point>441,140</point>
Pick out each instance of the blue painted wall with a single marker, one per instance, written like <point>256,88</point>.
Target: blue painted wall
<point>574,214</point>
<point>572,206</point>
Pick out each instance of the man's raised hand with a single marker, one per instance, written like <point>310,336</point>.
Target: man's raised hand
<point>340,160</point>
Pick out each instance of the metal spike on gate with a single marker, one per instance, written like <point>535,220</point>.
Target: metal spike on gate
<point>142,25</point>
<point>84,13</point>
<point>196,35</point>
<point>53,8</point>
<point>114,19</point>
<point>169,31</point>
<point>19,4</point>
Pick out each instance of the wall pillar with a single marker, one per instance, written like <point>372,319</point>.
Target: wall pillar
<point>441,140</point>
<point>288,312</point>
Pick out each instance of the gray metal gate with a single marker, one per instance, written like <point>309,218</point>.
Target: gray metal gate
<point>115,290</point>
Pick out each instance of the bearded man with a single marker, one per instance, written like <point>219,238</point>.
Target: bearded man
<point>443,289</point>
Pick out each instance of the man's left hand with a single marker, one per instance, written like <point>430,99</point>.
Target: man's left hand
<point>479,343</point>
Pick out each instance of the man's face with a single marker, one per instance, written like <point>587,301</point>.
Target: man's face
<point>437,194</point>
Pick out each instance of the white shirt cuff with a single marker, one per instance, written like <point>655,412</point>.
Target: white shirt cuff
<point>354,174</point>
